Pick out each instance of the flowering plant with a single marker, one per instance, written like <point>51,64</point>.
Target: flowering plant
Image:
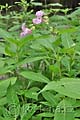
<point>38,19</point>
<point>25,30</point>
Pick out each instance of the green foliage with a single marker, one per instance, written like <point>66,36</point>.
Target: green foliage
<point>64,111</point>
<point>40,72</point>
<point>66,86</point>
<point>34,76</point>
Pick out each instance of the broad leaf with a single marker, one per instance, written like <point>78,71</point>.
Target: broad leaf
<point>4,84</point>
<point>67,41</point>
<point>46,114</point>
<point>64,111</point>
<point>67,86</point>
<point>13,101</point>
<point>50,98</point>
<point>34,76</point>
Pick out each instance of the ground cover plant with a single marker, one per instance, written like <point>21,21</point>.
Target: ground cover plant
<point>39,64</point>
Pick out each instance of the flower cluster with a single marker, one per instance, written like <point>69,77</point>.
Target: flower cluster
<point>37,20</point>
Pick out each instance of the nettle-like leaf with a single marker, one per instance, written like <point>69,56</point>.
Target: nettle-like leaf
<point>64,111</point>
<point>67,86</point>
<point>34,76</point>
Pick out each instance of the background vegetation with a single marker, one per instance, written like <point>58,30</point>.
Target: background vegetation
<point>39,62</point>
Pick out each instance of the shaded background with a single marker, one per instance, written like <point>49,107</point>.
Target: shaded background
<point>66,3</point>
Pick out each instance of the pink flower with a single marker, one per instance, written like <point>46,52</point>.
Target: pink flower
<point>23,27</point>
<point>37,20</point>
<point>39,14</point>
<point>25,31</point>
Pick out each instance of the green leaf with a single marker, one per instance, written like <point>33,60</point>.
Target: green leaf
<point>2,63</point>
<point>8,68</point>
<point>23,41</point>
<point>4,70</point>
<point>14,28</point>
<point>67,86</point>
<point>5,34</point>
<point>77,119</point>
<point>36,118</point>
<point>4,84</point>
<point>12,96</point>
<point>2,48</point>
<point>1,118</point>
<point>3,101</point>
<point>67,41</point>
<point>77,113</point>
<point>43,42</point>
<point>27,111</point>
<point>6,113</point>
<point>34,76</point>
<point>77,103</point>
<point>13,101</point>
<point>64,111</point>
<point>32,59</point>
<point>55,4</point>
<point>46,114</point>
<point>10,49</point>
<point>31,94</point>
<point>36,3</point>
<point>50,98</point>
<point>66,62</point>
